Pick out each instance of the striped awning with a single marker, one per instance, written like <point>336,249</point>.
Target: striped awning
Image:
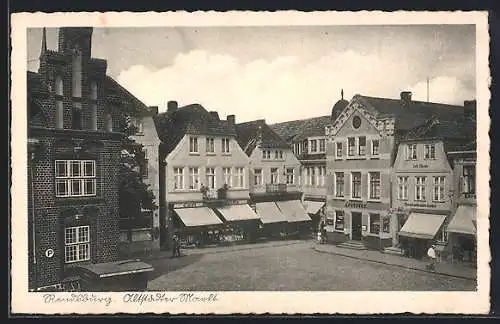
<point>233,213</point>
<point>199,216</point>
<point>269,213</point>
<point>293,210</point>
<point>424,226</point>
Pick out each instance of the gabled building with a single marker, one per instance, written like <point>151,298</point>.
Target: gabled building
<point>74,143</point>
<point>275,191</point>
<point>203,177</point>
<point>362,147</point>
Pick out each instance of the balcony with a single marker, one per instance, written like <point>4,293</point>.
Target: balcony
<point>276,188</point>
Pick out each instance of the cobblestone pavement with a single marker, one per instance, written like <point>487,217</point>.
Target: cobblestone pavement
<point>291,267</point>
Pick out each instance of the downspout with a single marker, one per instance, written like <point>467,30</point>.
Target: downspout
<point>33,227</point>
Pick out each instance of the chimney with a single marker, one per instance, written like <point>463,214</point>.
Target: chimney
<point>214,115</point>
<point>153,110</point>
<point>406,99</point>
<point>470,108</point>
<point>231,120</point>
<point>172,105</point>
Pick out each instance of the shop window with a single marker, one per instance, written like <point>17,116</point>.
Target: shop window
<point>339,220</point>
<point>75,178</point>
<point>374,224</point>
<point>210,148</point>
<point>374,185</point>
<point>339,184</point>
<point>429,151</point>
<point>76,244</point>
<point>356,185</point>
<point>386,223</point>
<point>257,177</point>
<point>178,178</point>
<point>438,189</point>
<point>402,188</point>
<point>193,145</point>
<point>194,178</point>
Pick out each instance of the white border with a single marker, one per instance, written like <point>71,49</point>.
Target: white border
<point>249,302</point>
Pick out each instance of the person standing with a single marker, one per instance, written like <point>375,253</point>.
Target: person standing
<point>175,245</point>
<point>431,253</point>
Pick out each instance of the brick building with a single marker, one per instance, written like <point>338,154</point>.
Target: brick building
<point>74,124</point>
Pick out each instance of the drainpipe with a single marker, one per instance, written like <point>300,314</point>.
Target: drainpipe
<point>33,227</point>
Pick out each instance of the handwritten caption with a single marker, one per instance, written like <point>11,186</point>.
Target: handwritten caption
<point>130,298</point>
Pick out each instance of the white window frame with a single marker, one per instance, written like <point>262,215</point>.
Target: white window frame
<point>402,182</point>
<point>336,189</point>
<point>210,145</point>
<point>239,176</point>
<point>226,149</point>
<point>78,243</point>
<point>429,151</point>
<point>337,155</point>
<point>290,177</point>
<point>370,185</point>
<point>468,186</point>
<point>373,153</point>
<point>349,147</point>
<point>339,213</point>
<point>178,178</point>
<point>313,146</point>
<point>257,177</point>
<point>227,174</point>
<point>322,145</point>
<point>210,176</point>
<point>439,187</point>
<point>83,179</point>
<point>410,149</point>
<point>275,176</point>
<point>194,178</point>
<point>358,149</point>
<point>193,145</point>
<point>360,185</point>
<point>420,187</point>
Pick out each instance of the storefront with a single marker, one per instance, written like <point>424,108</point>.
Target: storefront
<point>315,209</point>
<point>462,234</point>
<point>418,232</point>
<point>299,222</point>
<point>241,223</point>
<point>273,221</point>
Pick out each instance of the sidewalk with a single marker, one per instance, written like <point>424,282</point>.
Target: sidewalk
<point>155,255</point>
<point>444,268</point>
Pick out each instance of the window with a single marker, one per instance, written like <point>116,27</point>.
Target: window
<point>374,224</point>
<point>375,145</point>
<point>356,185</point>
<point>227,176</point>
<point>296,149</point>
<point>76,80</point>
<point>351,145</point>
<point>93,105</point>
<point>194,178</point>
<point>429,151</point>
<point>144,165</point>
<point>266,154</point>
<point>59,103</point>
<point>281,155</point>
<point>313,181</point>
<point>402,188</point>
<point>276,155</point>
<point>75,178</point>
<point>374,186</point>
<point>438,189</point>
<point>314,146</point>
<point>139,125</point>
<point>93,91</point>
<point>322,145</point>
<point>178,178</point>
<point>411,152</point>
<point>339,184</point>
<point>108,122</point>
<point>76,118</point>
<point>321,176</point>
<point>210,177</point>
<point>468,180</point>
<point>257,177</point>
<point>76,244</point>
<point>362,145</point>
<point>193,145</point>
<point>239,178</point>
<point>420,188</point>
<point>290,178</point>
<point>225,145</point>
<point>274,175</point>
<point>442,235</point>
<point>339,220</point>
<point>338,149</point>
<point>210,145</point>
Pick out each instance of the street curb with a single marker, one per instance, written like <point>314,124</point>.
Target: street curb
<point>395,265</point>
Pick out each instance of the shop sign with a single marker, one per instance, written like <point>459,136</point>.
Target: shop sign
<point>237,202</point>
<point>420,205</point>
<point>355,204</point>
<point>189,204</point>
<point>420,166</point>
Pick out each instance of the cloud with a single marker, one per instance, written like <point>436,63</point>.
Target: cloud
<point>283,88</point>
<point>443,89</point>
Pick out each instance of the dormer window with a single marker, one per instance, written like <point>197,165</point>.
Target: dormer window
<point>93,106</point>
<point>59,103</point>
<point>76,116</point>
<point>76,73</point>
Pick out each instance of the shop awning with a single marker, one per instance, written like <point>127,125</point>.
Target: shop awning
<point>312,207</point>
<point>237,213</point>
<point>293,210</point>
<point>269,213</point>
<point>424,226</point>
<point>463,221</point>
<point>200,216</point>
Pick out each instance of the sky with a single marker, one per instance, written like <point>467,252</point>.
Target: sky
<point>282,73</point>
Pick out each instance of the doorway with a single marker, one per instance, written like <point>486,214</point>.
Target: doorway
<point>356,226</point>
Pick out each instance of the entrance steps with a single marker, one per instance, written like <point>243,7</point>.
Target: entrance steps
<point>353,245</point>
<point>393,250</point>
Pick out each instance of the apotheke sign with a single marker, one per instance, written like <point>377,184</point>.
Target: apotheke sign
<point>355,204</point>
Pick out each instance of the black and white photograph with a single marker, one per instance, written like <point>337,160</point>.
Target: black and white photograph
<point>183,161</point>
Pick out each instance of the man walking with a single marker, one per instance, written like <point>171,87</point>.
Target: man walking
<point>175,245</point>
<point>431,253</point>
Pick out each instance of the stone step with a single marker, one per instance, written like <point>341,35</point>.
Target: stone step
<point>353,245</point>
<point>393,250</point>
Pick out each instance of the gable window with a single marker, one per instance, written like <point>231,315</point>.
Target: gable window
<point>193,145</point>
<point>266,154</point>
<point>194,178</point>
<point>276,155</point>
<point>239,178</point>
<point>375,146</point>
<point>281,155</point>
<point>257,177</point>
<point>429,151</point>
<point>178,178</point>
<point>322,145</point>
<point>225,145</point>
<point>374,223</point>
<point>339,184</point>
<point>402,188</point>
<point>411,152</point>
<point>227,175</point>
<point>59,103</point>
<point>290,176</point>
<point>139,126</point>
<point>339,220</point>
<point>351,146</point>
<point>356,185</point>
<point>338,149</point>
<point>468,180</point>
<point>75,178</point>
<point>362,145</point>
<point>420,188</point>
<point>76,78</point>
<point>76,118</point>
<point>210,145</point>
<point>108,122</point>
<point>76,244</point>
<point>274,176</point>
<point>374,185</point>
<point>438,189</point>
<point>210,174</point>
<point>314,146</point>
<point>93,106</point>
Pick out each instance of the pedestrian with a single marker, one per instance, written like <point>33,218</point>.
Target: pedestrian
<point>323,232</point>
<point>431,253</point>
<point>175,243</point>
<point>178,247</point>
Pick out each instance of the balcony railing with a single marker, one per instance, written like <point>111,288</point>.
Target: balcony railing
<point>276,187</point>
<point>469,195</point>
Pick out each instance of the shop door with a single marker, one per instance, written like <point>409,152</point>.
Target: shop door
<point>356,226</point>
